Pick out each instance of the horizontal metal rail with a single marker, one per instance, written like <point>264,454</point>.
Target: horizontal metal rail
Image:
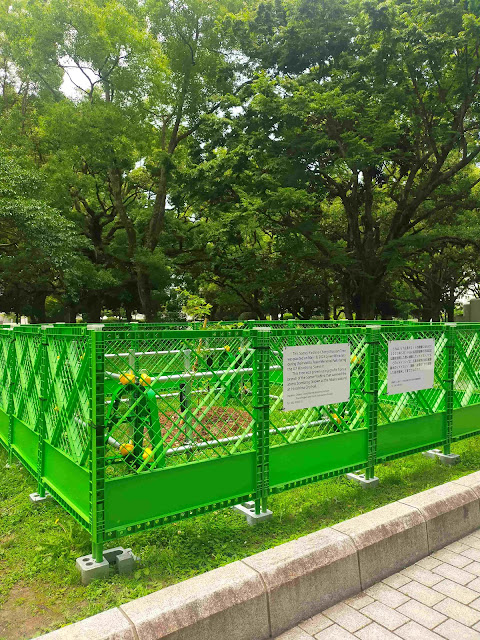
<point>194,446</point>
<point>189,376</point>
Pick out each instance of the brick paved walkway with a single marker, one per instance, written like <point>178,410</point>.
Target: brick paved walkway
<point>436,598</point>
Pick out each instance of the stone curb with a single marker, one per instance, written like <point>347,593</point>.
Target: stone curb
<point>265,594</point>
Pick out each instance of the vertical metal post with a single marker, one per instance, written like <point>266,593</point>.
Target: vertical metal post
<point>372,338</point>
<point>97,465</point>
<point>261,412</point>
<point>42,421</point>
<point>450,329</point>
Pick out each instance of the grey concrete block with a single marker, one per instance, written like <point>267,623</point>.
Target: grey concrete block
<point>126,562</point>
<point>247,509</point>
<point>447,459</point>
<point>110,555</point>
<point>451,511</point>
<point>387,540</point>
<point>91,570</point>
<point>307,575</point>
<point>360,479</point>
<point>35,498</point>
<point>227,602</point>
<point>109,625</point>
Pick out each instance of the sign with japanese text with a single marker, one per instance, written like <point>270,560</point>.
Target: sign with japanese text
<point>411,365</point>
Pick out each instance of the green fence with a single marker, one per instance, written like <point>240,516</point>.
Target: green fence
<point>132,426</point>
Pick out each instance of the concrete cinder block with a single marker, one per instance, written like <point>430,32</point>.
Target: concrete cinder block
<point>447,459</point>
<point>126,562</point>
<point>91,570</point>
<point>307,575</point>
<point>229,601</point>
<point>247,509</point>
<point>360,479</point>
<point>36,498</point>
<point>451,511</point>
<point>109,625</point>
<point>387,540</point>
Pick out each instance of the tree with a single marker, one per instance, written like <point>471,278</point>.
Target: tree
<point>358,146</point>
<point>36,243</point>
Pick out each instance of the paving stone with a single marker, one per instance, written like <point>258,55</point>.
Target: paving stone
<point>396,581</point>
<point>473,554</point>
<point>375,632</point>
<point>360,601</point>
<point>475,604</point>
<point>457,611</point>
<point>347,617</point>
<point>474,584</point>
<point>456,547</point>
<point>294,634</point>
<point>455,559</point>
<point>456,591</point>
<point>315,624</point>
<point>473,567</point>
<point>453,630</point>
<point>422,614</point>
<point>334,633</point>
<point>428,563</point>
<point>423,594</point>
<point>453,573</point>
<point>421,575</point>
<point>414,631</point>
<point>387,595</point>
<point>471,541</point>
<point>386,616</point>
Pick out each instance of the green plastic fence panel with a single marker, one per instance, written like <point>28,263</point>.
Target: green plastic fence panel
<point>3,427</point>
<point>466,420</point>
<point>148,496</point>
<point>25,444</point>
<point>410,435</point>
<point>318,457</point>
<point>68,480</point>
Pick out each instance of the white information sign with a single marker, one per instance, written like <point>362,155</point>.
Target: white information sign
<point>315,375</point>
<point>411,365</point>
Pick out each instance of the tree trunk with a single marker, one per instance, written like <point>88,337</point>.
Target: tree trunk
<point>145,293</point>
<point>94,309</point>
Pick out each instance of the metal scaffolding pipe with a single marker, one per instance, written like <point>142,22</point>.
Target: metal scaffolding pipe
<point>189,376</point>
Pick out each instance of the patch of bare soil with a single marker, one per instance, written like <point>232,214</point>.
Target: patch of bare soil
<point>23,616</point>
<point>218,422</point>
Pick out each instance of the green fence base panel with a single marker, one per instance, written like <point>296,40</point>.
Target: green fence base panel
<point>3,427</point>
<point>149,496</point>
<point>466,420</point>
<point>317,456</point>
<point>409,435</point>
<point>25,443</point>
<point>68,480</point>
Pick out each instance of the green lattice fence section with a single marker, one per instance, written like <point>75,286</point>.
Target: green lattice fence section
<point>129,426</point>
<point>174,400</point>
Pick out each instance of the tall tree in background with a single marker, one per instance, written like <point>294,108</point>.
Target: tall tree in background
<point>360,130</point>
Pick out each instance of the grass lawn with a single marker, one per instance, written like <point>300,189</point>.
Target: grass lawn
<point>39,585</point>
